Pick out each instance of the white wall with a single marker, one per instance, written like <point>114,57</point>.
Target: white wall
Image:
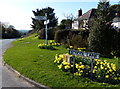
<point>116,24</point>
<point>75,25</point>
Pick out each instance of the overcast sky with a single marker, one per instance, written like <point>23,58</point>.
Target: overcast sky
<point>19,12</point>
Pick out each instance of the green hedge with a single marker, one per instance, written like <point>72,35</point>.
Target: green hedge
<point>76,38</point>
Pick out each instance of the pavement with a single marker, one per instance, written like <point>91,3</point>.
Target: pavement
<point>7,77</point>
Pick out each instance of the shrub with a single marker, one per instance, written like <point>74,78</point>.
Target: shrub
<point>51,33</point>
<point>101,37</point>
<point>61,36</point>
<point>116,43</point>
<point>42,34</point>
<point>78,41</point>
<point>76,38</point>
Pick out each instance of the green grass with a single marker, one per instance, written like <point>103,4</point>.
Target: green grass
<point>38,65</point>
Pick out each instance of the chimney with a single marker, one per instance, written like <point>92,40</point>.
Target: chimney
<point>79,12</point>
<point>117,14</point>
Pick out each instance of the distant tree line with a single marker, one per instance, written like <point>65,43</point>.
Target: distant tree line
<point>8,32</point>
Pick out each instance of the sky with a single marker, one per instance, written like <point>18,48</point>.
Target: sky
<point>19,12</point>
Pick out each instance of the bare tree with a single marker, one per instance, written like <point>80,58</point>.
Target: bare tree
<point>69,16</point>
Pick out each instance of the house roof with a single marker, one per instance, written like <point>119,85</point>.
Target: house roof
<point>88,14</point>
<point>116,19</point>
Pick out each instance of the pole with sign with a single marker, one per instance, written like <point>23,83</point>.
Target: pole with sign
<point>44,18</point>
<point>46,30</point>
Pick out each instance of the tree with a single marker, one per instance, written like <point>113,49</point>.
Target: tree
<point>69,16</point>
<point>38,25</point>
<point>65,24</point>
<point>9,31</point>
<point>116,7</point>
<point>68,21</point>
<point>101,37</point>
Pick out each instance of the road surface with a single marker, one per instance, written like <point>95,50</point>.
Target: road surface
<point>8,78</point>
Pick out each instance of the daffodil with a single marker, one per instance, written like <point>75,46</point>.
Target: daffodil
<point>77,66</point>
<point>95,66</point>
<point>67,67</point>
<point>79,48</point>
<point>55,61</point>
<point>59,66</point>
<point>114,67</point>
<point>95,59</point>
<point>76,74</point>
<point>80,62</point>
<point>101,67</point>
<point>81,71</point>
<point>107,76</point>
<point>110,70</point>
<point>71,47</point>
<point>115,78</point>
<point>72,65</point>
<point>118,78</point>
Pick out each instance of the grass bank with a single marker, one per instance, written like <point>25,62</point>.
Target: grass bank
<point>38,64</point>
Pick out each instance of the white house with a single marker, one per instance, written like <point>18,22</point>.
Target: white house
<point>83,20</point>
<point>116,21</point>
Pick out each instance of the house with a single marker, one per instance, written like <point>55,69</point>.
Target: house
<point>116,21</point>
<point>83,21</point>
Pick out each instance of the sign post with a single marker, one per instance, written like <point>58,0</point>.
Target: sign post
<point>85,54</point>
<point>44,18</point>
<point>46,30</point>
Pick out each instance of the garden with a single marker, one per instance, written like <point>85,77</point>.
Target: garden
<point>47,67</point>
<point>72,58</point>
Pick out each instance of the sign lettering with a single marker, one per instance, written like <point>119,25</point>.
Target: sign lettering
<point>84,54</point>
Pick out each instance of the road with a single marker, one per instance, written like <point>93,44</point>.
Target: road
<point>8,78</point>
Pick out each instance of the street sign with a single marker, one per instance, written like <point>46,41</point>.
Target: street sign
<point>41,17</point>
<point>45,22</point>
<point>84,54</point>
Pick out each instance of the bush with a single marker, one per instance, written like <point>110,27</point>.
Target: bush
<point>116,46</point>
<point>51,33</point>
<point>79,41</point>
<point>41,34</point>
<point>61,36</point>
<point>76,38</point>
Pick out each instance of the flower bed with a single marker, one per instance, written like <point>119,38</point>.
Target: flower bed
<point>49,46</point>
<point>102,71</point>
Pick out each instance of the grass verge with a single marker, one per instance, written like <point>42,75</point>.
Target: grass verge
<point>38,65</point>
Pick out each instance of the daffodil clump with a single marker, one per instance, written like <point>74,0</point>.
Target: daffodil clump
<point>79,49</point>
<point>101,71</point>
<point>82,70</point>
<point>49,46</point>
<point>44,46</point>
<point>104,71</point>
<point>62,63</point>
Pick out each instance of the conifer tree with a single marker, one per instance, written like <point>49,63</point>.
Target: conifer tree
<point>101,36</point>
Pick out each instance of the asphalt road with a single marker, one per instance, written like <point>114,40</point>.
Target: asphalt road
<point>8,78</point>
